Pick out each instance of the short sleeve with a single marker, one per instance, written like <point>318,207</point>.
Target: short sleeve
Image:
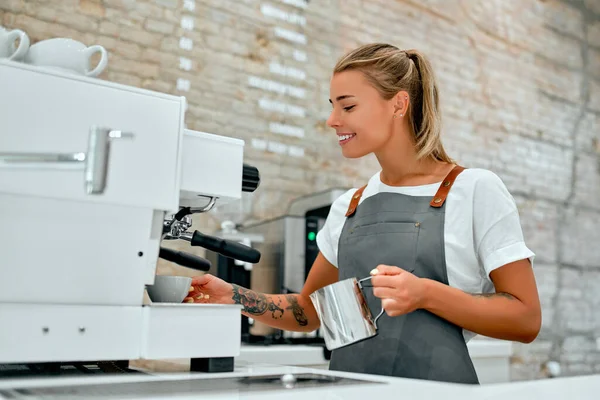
<point>497,230</point>
<point>329,236</point>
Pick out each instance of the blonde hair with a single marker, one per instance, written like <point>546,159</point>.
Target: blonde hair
<point>391,70</point>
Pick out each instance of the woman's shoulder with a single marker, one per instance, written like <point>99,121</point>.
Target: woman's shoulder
<point>340,205</point>
<point>481,180</point>
<point>484,191</point>
<point>479,176</point>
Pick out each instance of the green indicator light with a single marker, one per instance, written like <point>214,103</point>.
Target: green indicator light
<point>312,236</point>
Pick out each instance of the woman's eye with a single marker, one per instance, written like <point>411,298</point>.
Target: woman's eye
<point>348,108</point>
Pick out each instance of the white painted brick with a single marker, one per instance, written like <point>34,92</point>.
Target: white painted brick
<point>579,235</point>
<point>538,221</point>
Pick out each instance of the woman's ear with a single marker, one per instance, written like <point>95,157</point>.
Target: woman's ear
<point>401,100</point>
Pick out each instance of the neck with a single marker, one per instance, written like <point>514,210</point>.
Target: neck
<point>400,166</point>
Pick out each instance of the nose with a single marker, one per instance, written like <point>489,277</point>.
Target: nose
<point>333,120</point>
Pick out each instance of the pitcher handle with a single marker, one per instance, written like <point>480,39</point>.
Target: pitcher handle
<point>382,309</point>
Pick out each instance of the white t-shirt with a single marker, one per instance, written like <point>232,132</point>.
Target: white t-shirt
<point>482,229</point>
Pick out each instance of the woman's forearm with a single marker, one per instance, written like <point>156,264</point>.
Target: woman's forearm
<point>497,315</point>
<point>289,312</point>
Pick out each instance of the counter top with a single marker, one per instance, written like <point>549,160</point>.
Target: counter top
<point>186,385</point>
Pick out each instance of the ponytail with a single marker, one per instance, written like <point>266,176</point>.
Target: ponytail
<point>425,114</point>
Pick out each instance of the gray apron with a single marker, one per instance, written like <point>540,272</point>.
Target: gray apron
<point>408,232</point>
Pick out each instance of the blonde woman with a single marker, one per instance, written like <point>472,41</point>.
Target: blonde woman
<point>443,243</point>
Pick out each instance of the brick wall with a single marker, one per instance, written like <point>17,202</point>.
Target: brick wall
<point>520,87</point>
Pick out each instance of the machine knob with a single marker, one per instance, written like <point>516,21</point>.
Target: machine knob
<point>250,178</point>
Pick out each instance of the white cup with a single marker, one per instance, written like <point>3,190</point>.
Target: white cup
<point>7,44</point>
<point>68,55</point>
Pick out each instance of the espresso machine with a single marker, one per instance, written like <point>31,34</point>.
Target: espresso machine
<point>94,175</point>
<point>288,248</point>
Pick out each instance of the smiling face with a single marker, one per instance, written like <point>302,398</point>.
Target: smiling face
<point>362,119</point>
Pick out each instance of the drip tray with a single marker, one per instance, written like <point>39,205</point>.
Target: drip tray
<point>185,387</point>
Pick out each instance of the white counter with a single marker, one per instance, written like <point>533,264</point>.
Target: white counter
<point>491,357</point>
<point>579,388</point>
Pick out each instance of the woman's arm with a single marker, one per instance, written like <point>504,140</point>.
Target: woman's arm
<point>290,312</point>
<point>512,313</point>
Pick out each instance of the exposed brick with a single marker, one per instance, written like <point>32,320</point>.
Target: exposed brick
<point>158,86</point>
<point>92,7</point>
<point>159,26</point>
<point>167,3</point>
<point>128,50</point>
<point>109,28</point>
<point>80,22</point>
<point>108,43</point>
<point>140,36</point>
<point>139,69</point>
<point>124,5</point>
<point>14,6</point>
<point>125,79</point>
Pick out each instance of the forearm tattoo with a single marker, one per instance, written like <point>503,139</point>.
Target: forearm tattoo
<point>297,310</point>
<point>501,294</point>
<point>256,303</point>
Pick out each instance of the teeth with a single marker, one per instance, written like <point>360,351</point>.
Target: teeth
<point>344,137</point>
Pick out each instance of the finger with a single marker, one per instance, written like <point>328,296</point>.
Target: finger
<point>201,280</point>
<point>188,300</point>
<point>388,305</point>
<point>392,307</point>
<point>384,292</point>
<point>386,270</point>
<point>389,281</point>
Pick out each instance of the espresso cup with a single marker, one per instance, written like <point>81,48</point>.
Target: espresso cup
<point>169,289</point>
<point>8,49</point>
<point>68,55</point>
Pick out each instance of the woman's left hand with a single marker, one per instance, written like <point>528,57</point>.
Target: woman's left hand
<point>400,291</point>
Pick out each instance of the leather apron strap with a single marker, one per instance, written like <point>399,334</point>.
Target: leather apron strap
<point>437,201</point>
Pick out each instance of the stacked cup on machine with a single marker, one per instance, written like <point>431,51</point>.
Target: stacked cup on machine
<point>61,54</point>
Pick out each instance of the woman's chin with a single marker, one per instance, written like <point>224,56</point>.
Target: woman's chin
<point>353,153</point>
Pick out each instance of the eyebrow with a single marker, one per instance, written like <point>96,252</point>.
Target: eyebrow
<point>345,96</point>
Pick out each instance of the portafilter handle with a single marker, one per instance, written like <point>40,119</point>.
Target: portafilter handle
<point>227,248</point>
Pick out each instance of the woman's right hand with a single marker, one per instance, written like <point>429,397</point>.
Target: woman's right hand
<point>208,288</point>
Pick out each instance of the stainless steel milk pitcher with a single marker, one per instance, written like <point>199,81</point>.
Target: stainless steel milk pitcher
<point>344,313</point>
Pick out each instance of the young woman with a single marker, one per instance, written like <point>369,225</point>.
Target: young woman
<point>444,244</point>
